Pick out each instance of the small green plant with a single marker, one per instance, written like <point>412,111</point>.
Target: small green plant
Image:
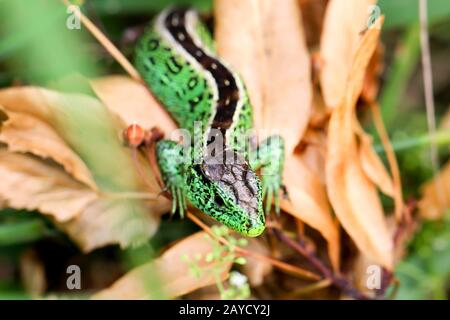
<point>425,272</point>
<point>237,286</point>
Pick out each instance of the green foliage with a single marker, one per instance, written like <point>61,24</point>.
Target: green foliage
<point>401,13</point>
<point>20,227</point>
<point>40,47</point>
<point>220,256</point>
<point>425,273</point>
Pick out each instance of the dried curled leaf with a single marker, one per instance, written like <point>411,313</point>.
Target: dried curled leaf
<point>352,194</point>
<point>344,21</point>
<point>174,273</point>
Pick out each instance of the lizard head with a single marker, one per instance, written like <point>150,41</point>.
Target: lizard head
<point>229,191</point>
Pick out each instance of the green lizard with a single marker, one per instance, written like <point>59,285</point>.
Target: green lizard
<point>176,58</point>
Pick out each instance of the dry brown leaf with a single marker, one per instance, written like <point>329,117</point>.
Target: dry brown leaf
<point>243,47</point>
<point>372,79</point>
<point>353,196</point>
<point>133,102</point>
<point>24,133</point>
<point>445,120</point>
<point>343,24</point>
<point>30,183</point>
<point>288,94</point>
<point>113,221</point>
<point>117,212</point>
<point>313,152</point>
<point>436,192</point>
<point>174,273</point>
<point>308,202</point>
<point>436,195</point>
<point>90,219</point>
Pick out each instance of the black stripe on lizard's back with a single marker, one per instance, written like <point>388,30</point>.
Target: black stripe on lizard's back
<point>227,88</point>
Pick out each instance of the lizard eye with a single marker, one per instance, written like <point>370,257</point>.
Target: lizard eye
<point>219,201</point>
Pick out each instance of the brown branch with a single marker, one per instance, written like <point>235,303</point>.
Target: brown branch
<point>337,280</point>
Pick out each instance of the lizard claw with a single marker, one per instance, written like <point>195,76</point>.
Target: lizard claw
<point>271,193</point>
<point>178,201</point>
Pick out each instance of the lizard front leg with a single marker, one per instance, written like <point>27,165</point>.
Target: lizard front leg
<point>172,162</point>
<point>269,157</point>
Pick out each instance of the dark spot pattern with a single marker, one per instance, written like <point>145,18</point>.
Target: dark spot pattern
<point>153,45</point>
<point>229,94</point>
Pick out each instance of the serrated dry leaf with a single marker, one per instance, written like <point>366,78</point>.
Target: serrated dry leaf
<point>32,184</point>
<point>436,195</point>
<point>90,219</point>
<point>25,133</point>
<point>344,21</point>
<point>79,125</point>
<point>174,273</point>
<point>352,194</point>
<point>308,202</point>
<point>133,102</point>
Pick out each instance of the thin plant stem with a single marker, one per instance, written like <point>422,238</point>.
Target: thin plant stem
<point>276,263</point>
<point>439,138</point>
<point>107,44</point>
<point>428,89</point>
<point>337,280</point>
